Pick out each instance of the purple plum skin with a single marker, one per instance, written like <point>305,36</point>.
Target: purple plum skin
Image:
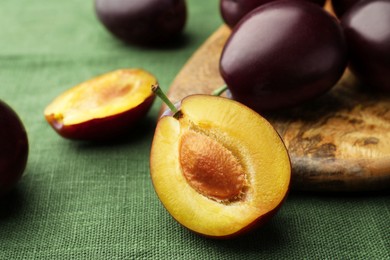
<point>145,22</point>
<point>233,11</point>
<point>282,54</point>
<point>367,30</point>
<point>13,148</point>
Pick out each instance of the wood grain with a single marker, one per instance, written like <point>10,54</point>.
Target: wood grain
<point>338,142</point>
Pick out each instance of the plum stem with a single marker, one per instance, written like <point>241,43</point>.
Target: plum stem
<point>158,91</point>
<point>219,91</point>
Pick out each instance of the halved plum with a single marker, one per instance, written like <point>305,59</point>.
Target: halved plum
<point>218,167</point>
<point>103,107</point>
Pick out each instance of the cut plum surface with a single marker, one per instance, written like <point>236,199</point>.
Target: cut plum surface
<point>102,107</point>
<point>220,169</point>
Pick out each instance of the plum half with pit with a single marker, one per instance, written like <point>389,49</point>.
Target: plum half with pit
<point>13,148</point>
<point>233,11</point>
<point>367,30</point>
<point>282,54</point>
<point>218,167</point>
<point>144,22</point>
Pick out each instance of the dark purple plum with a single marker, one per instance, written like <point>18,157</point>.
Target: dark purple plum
<point>13,148</point>
<point>367,31</point>
<point>233,10</point>
<point>282,54</point>
<point>341,6</point>
<point>145,22</point>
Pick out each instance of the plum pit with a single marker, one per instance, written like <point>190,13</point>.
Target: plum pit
<point>211,168</point>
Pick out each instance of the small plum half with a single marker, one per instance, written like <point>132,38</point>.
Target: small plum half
<point>104,107</point>
<point>13,148</point>
<point>282,54</point>
<point>218,167</point>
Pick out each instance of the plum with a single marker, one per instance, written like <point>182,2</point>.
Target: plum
<point>367,31</point>
<point>104,107</point>
<point>282,54</point>
<point>13,148</point>
<point>219,168</point>
<point>233,10</point>
<point>146,22</point>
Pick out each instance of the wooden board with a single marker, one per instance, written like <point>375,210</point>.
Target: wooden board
<point>339,142</point>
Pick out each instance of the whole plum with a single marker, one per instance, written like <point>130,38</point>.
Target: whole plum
<point>233,10</point>
<point>146,22</point>
<point>367,30</point>
<point>282,54</point>
<point>13,148</point>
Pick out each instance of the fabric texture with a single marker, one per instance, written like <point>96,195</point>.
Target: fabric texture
<point>81,200</point>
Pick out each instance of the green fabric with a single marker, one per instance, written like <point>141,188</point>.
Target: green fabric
<point>96,201</point>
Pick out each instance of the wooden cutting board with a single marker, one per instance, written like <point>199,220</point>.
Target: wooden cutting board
<point>339,142</point>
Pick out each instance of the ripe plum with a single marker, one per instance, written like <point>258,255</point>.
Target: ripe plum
<point>146,22</point>
<point>233,10</point>
<point>367,31</point>
<point>13,148</point>
<point>282,54</point>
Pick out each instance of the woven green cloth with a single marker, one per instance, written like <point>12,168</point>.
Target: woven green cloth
<point>96,201</point>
